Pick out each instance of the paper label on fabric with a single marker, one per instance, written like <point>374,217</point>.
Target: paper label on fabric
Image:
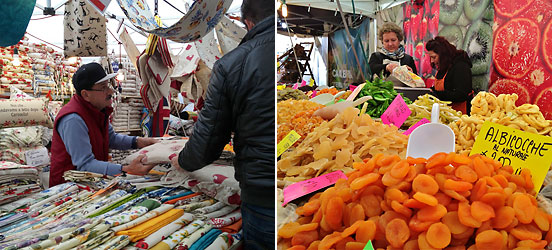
<point>100,5</point>
<point>301,188</point>
<point>285,143</point>
<point>420,122</point>
<point>516,148</point>
<point>396,113</point>
<point>368,246</point>
<point>37,157</point>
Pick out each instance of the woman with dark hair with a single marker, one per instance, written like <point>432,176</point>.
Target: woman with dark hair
<point>392,54</point>
<point>454,78</point>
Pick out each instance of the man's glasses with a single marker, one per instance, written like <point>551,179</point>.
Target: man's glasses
<point>105,88</point>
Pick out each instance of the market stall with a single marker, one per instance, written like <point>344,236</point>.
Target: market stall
<point>165,209</point>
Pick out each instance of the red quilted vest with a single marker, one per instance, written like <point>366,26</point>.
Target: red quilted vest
<point>97,124</point>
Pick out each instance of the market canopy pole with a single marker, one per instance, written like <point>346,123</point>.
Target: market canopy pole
<point>350,37</point>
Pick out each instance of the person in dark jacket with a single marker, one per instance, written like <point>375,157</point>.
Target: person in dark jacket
<point>392,54</point>
<point>83,134</point>
<point>241,100</point>
<point>454,79</point>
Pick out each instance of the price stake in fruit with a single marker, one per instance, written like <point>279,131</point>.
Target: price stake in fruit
<point>516,148</point>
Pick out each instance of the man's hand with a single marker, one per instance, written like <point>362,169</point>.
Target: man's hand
<point>137,168</point>
<point>176,165</point>
<point>409,68</point>
<point>144,142</point>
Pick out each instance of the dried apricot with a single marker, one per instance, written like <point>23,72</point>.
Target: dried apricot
<point>425,183</point>
<point>541,220</point>
<point>423,244</point>
<point>466,173</point>
<point>481,211</point>
<point>356,214</point>
<point>400,169</point>
<point>504,217</point>
<point>366,231</point>
<point>540,244</point>
<point>526,232</point>
<point>465,216</point>
<point>489,239</point>
<point>458,186</point>
<point>434,213</point>
<point>438,235</point>
<point>354,246</point>
<point>425,198</point>
<point>453,223</point>
<point>495,200</point>
<point>304,238</point>
<point>397,232</point>
<point>364,181</point>
<point>524,208</point>
<point>334,213</point>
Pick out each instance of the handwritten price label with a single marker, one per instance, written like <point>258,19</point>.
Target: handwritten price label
<point>516,148</point>
<point>396,113</point>
<point>285,143</point>
<point>301,188</point>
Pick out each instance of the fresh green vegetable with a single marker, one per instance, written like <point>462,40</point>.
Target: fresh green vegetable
<point>382,93</point>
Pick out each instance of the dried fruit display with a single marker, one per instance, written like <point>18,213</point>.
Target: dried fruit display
<point>336,144</point>
<point>421,108</point>
<point>449,201</point>
<point>501,110</point>
<point>297,115</point>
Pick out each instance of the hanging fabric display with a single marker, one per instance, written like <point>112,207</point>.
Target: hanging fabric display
<point>84,30</point>
<point>198,21</point>
<point>15,18</point>
<point>229,34</point>
<point>208,49</point>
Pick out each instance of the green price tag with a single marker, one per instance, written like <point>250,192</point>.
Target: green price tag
<point>369,246</point>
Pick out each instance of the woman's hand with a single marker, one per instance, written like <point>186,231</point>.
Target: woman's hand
<point>409,68</point>
<point>142,142</point>
<point>390,67</point>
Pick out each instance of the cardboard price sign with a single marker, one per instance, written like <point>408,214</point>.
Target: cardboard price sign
<point>516,148</point>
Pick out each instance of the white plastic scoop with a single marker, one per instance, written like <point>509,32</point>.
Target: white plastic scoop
<point>430,138</point>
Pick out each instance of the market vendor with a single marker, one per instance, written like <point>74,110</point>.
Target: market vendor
<point>83,134</point>
<point>392,54</point>
<point>241,99</point>
<point>454,78</point>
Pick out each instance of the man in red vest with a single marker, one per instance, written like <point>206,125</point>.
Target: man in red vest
<point>83,134</point>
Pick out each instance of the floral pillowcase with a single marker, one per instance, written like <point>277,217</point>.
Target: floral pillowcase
<point>161,152</point>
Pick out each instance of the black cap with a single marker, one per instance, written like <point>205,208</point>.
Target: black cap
<point>88,75</point>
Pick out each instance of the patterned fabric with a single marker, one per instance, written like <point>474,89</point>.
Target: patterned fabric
<point>55,240</point>
<point>198,21</point>
<point>161,152</point>
<point>155,79</point>
<point>226,220</point>
<point>216,181</point>
<point>101,202</point>
<point>164,232</point>
<point>224,241</point>
<point>221,212</point>
<point>187,197</point>
<point>115,243</point>
<point>229,34</point>
<point>21,137</point>
<point>175,238</point>
<point>206,240</point>
<point>96,241</point>
<point>132,213</point>
<point>24,112</point>
<point>208,49</point>
<point>187,242</point>
<point>145,229</point>
<point>211,208</point>
<point>151,214</point>
<point>195,205</point>
<point>84,30</point>
<point>81,238</point>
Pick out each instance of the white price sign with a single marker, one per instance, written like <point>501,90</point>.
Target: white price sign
<point>37,157</point>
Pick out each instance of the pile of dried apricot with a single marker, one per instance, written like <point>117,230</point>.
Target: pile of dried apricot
<point>449,201</point>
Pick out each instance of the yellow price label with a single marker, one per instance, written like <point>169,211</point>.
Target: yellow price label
<point>516,148</point>
<point>280,87</point>
<point>311,82</point>
<point>285,143</point>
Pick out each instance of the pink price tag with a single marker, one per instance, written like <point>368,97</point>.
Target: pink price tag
<point>303,83</point>
<point>314,93</point>
<point>301,188</point>
<point>352,87</point>
<point>295,86</point>
<point>396,113</point>
<point>420,122</point>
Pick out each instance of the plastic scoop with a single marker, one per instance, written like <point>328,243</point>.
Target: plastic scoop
<point>430,138</point>
<point>329,112</point>
<point>324,99</point>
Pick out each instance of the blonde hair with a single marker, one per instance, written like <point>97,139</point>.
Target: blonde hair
<point>390,27</point>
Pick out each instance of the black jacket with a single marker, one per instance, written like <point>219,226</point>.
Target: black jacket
<point>376,63</point>
<point>240,99</point>
<point>458,81</point>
